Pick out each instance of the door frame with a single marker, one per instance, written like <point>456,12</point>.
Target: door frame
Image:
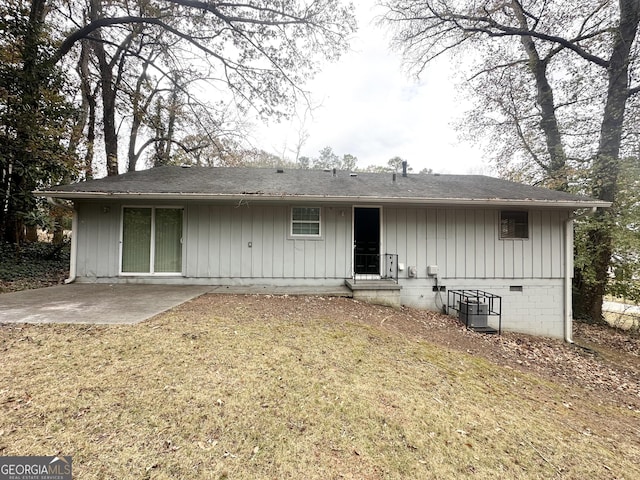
<point>153,209</point>
<point>353,241</point>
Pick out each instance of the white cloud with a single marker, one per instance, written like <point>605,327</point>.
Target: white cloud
<point>370,108</point>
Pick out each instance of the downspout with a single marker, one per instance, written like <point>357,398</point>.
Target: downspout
<point>74,237</point>
<point>568,273</point>
<point>74,248</point>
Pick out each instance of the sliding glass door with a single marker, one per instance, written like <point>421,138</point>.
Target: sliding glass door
<point>151,240</point>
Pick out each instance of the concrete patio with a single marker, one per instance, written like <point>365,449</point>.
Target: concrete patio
<point>99,303</point>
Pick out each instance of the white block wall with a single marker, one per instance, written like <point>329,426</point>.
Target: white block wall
<point>537,310</point>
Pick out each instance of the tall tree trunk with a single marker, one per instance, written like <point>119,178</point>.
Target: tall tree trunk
<point>133,139</point>
<point>88,107</point>
<point>83,112</point>
<point>21,185</point>
<point>138,115</point>
<point>108,110</point>
<point>89,104</point>
<point>557,167</point>
<point>108,89</point>
<point>606,166</point>
<point>91,137</point>
<point>5,190</point>
<point>173,110</point>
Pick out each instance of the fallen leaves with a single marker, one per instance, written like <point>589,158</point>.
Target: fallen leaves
<point>284,385</point>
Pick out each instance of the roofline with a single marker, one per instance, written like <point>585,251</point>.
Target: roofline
<point>323,198</point>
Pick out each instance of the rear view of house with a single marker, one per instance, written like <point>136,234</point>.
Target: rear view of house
<point>411,238</point>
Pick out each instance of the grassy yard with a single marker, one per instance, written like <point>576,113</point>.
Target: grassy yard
<point>272,388</point>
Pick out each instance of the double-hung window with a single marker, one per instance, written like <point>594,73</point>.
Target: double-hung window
<point>151,240</point>
<point>306,221</point>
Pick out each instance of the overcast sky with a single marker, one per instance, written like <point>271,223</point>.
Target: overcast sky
<point>371,108</point>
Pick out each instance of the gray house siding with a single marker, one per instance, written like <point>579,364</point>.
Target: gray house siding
<point>230,241</point>
<point>465,243</point>
<point>250,244</point>
<point>98,239</point>
<point>224,242</point>
<point>465,246</point>
<point>253,242</point>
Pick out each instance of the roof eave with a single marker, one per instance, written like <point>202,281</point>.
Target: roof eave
<point>569,204</point>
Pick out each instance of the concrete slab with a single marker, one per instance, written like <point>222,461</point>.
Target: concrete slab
<point>323,291</point>
<point>94,303</point>
<point>382,284</point>
<point>102,303</point>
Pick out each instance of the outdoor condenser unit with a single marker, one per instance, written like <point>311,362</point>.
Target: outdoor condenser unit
<point>473,313</point>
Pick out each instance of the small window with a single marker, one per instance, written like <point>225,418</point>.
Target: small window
<point>514,224</point>
<point>305,221</point>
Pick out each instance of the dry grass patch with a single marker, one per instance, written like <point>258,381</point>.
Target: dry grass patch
<point>255,387</point>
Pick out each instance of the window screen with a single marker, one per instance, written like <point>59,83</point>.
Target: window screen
<point>514,224</point>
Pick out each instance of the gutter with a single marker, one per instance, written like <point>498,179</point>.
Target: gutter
<point>74,237</point>
<point>568,272</point>
<point>361,199</point>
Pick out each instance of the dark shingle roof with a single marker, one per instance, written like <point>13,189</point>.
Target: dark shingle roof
<point>315,185</point>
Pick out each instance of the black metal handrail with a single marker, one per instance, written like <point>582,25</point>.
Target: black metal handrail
<point>367,266</point>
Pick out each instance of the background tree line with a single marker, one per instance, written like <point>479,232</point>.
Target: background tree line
<point>326,159</point>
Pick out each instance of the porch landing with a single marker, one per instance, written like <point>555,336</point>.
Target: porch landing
<point>380,292</point>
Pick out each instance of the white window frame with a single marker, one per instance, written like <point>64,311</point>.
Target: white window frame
<point>152,251</point>
<point>314,236</point>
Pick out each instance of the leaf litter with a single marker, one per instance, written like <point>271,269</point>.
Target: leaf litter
<point>282,387</point>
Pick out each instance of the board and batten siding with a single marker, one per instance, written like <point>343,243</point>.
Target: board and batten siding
<point>231,241</point>
<point>465,243</point>
<point>98,237</point>
<point>225,241</point>
<point>250,244</point>
<point>466,247</point>
<point>253,242</point>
